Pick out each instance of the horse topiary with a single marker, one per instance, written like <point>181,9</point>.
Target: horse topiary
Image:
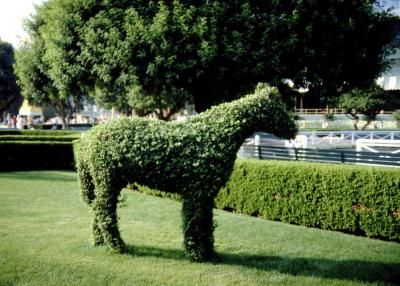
<point>193,158</point>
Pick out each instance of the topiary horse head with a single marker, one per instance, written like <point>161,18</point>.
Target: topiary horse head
<point>193,158</point>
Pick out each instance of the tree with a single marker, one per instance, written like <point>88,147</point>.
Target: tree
<point>155,56</point>
<point>9,91</point>
<point>341,45</point>
<point>214,51</point>
<point>46,69</point>
<point>369,102</point>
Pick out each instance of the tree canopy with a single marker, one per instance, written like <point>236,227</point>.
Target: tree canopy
<point>368,102</point>
<point>344,45</point>
<point>47,69</point>
<point>9,91</point>
<point>155,56</point>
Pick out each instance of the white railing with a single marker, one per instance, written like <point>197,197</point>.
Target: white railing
<point>272,148</point>
<point>343,137</point>
<point>319,111</point>
<point>371,145</point>
<point>315,111</point>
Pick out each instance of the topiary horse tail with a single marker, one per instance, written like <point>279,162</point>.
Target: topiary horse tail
<point>85,178</point>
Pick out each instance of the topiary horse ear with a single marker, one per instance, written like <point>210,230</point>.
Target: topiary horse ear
<point>269,91</point>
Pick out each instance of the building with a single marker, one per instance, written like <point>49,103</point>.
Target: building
<point>390,79</point>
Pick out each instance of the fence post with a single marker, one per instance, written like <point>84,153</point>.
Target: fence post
<point>257,145</point>
<point>342,157</point>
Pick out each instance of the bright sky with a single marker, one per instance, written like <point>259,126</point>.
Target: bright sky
<point>395,4</point>
<point>12,13</point>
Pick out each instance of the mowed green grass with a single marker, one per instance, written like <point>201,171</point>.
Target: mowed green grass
<point>45,231</point>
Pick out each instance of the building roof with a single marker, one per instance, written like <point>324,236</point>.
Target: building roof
<point>30,110</point>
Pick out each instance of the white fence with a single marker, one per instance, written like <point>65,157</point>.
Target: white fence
<point>373,145</point>
<point>270,147</point>
<point>306,139</point>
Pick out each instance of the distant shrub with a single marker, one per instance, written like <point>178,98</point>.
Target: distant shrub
<point>396,116</point>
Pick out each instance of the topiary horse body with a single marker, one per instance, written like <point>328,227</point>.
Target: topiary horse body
<point>193,158</point>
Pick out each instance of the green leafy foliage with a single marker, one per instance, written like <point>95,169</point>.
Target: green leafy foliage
<point>36,155</point>
<point>155,56</point>
<point>369,102</point>
<point>396,116</point>
<point>52,133</point>
<point>340,45</point>
<point>9,92</point>
<point>193,158</point>
<point>36,150</point>
<point>46,66</point>
<point>358,200</point>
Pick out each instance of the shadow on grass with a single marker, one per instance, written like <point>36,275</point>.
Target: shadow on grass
<point>48,176</point>
<point>353,270</point>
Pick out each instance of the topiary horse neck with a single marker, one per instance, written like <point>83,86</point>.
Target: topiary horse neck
<point>193,158</point>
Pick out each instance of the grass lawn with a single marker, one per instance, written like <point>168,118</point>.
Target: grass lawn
<point>44,240</point>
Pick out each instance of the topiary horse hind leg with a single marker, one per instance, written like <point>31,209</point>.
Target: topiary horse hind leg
<point>105,223</point>
<point>197,217</point>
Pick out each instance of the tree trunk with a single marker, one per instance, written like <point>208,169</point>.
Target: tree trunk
<point>60,110</point>
<point>355,120</point>
<point>371,117</point>
<point>64,123</point>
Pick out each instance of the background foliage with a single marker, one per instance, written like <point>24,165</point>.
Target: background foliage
<point>10,98</point>
<point>369,102</point>
<point>156,56</point>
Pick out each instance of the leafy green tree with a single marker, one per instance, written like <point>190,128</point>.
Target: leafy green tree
<point>341,45</point>
<point>155,56</point>
<point>369,102</point>
<point>47,72</point>
<point>212,51</point>
<point>159,55</point>
<point>9,92</point>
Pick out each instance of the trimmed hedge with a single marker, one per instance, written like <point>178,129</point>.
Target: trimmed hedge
<point>36,149</point>
<point>353,199</point>
<point>36,155</point>
<point>13,138</point>
<point>40,132</point>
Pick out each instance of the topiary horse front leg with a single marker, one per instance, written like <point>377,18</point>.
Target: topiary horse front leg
<point>198,227</point>
<point>105,223</point>
<point>96,232</point>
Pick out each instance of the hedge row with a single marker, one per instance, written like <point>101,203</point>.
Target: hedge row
<point>353,199</point>
<point>37,149</point>
<point>56,133</point>
<point>36,155</point>
<point>59,126</point>
<point>14,138</point>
